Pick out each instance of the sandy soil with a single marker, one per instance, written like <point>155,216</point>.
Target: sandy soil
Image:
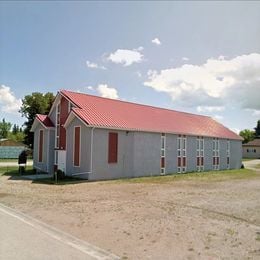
<point>177,220</point>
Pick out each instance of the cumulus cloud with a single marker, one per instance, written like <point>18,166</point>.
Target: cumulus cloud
<point>93,65</point>
<point>214,83</point>
<point>210,108</point>
<point>156,41</point>
<point>105,91</point>
<point>8,102</point>
<point>126,57</point>
<point>185,58</point>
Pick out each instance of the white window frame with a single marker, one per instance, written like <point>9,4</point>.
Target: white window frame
<point>163,149</point>
<point>216,153</point>
<point>200,152</point>
<point>57,133</point>
<point>181,153</point>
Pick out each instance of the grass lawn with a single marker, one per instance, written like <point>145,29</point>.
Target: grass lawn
<point>199,176</point>
<point>13,170</point>
<point>8,160</point>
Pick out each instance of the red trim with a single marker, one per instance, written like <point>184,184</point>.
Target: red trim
<point>112,147</point>
<point>40,145</point>
<point>162,162</point>
<point>63,117</point>
<point>76,145</point>
<point>184,161</point>
<point>179,161</point>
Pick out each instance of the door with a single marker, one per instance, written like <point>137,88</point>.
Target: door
<point>62,160</point>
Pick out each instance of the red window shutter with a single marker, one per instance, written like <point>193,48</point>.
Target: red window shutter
<point>217,160</point>
<point>184,161</point>
<point>76,145</point>
<point>202,161</point>
<point>198,161</point>
<point>162,162</point>
<point>227,160</point>
<point>179,161</point>
<point>40,145</point>
<point>112,147</point>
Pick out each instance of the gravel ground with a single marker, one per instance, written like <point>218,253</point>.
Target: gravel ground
<point>185,219</point>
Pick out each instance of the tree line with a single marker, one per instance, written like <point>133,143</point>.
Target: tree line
<point>36,103</point>
<point>250,135</point>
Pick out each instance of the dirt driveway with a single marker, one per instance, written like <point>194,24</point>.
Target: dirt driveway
<point>183,219</point>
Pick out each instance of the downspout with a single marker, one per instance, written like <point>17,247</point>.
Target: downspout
<point>91,150</point>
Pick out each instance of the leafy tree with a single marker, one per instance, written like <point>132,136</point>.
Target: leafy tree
<point>15,129</point>
<point>36,103</point>
<point>247,134</point>
<point>257,129</point>
<point>4,128</point>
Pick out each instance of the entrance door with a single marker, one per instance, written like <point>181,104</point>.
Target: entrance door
<point>62,160</point>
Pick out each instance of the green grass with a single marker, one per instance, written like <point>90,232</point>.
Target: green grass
<point>257,166</point>
<point>8,160</point>
<point>13,170</point>
<point>247,159</point>
<point>211,176</point>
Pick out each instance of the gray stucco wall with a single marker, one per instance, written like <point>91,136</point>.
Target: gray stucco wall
<point>139,153</point>
<point>85,140</point>
<point>251,152</point>
<point>235,154</point>
<point>48,150</point>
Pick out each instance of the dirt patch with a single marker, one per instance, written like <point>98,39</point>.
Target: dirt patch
<point>176,220</point>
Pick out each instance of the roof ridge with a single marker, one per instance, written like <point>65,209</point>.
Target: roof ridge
<point>139,104</point>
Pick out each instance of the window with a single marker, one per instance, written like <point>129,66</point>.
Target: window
<point>112,147</point>
<point>76,157</point>
<point>200,153</point>
<point>215,154</point>
<point>181,153</point>
<point>228,154</point>
<point>56,154</point>
<point>163,140</point>
<point>57,129</point>
<point>40,152</point>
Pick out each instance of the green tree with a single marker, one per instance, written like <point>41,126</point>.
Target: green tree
<point>15,129</point>
<point>36,103</point>
<point>247,134</point>
<point>5,128</point>
<point>257,129</point>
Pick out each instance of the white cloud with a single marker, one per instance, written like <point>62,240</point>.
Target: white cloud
<point>107,92</point>
<point>89,88</point>
<point>92,65</point>
<point>254,112</point>
<point>218,117</point>
<point>210,108</point>
<point>185,58</point>
<point>214,83</point>
<point>139,74</point>
<point>126,57</point>
<point>156,41</point>
<point>235,130</point>
<point>8,102</point>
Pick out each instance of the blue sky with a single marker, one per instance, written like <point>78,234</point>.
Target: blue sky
<point>199,57</point>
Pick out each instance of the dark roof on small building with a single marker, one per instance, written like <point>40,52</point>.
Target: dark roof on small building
<point>255,142</point>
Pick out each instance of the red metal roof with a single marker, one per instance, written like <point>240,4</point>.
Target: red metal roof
<point>45,120</point>
<point>110,113</point>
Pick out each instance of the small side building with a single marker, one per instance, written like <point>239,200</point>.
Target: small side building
<point>252,149</point>
<point>10,149</point>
